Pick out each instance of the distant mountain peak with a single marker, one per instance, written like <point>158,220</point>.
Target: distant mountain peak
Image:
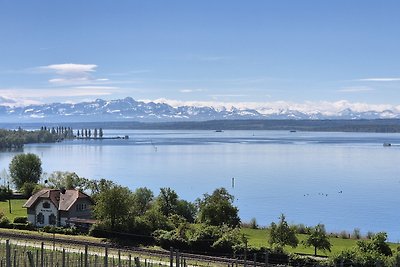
<point>130,109</point>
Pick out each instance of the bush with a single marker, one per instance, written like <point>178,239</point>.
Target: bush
<point>60,230</point>
<point>167,239</point>
<point>302,229</point>
<point>20,219</point>
<point>231,241</point>
<point>297,260</point>
<point>5,193</point>
<point>5,223</point>
<point>344,235</point>
<point>23,226</point>
<point>99,230</point>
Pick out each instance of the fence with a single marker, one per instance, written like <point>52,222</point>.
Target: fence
<point>41,251</point>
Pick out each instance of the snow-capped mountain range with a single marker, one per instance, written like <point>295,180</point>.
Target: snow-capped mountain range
<point>132,110</point>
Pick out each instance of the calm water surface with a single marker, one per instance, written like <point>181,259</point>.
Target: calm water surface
<point>344,180</point>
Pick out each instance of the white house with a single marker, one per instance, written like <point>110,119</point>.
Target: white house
<point>59,207</point>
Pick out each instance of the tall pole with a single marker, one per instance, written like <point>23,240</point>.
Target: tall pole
<point>245,253</point>
<point>9,198</point>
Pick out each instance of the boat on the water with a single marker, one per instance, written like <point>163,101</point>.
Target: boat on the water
<point>387,144</point>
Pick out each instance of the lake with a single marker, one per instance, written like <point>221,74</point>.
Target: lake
<point>343,180</point>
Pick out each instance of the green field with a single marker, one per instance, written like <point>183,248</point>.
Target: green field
<point>259,238</point>
<point>16,208</point>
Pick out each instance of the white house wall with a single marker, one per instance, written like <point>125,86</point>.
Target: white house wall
<point>32,219</point>
<point>45,212</point>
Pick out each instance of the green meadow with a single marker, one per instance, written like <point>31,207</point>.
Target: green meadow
<point>16,208</point>
<point>259,238</point>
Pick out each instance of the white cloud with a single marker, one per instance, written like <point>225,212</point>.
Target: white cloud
<point>394,79</point>
<point>70,68</point>
<point>26,96</point>
<point>356,89</point>
<point>77,80</point>
<point>95,87</point>
<point>68,81</point>
<point>72,74</point>
<point>191,90</point>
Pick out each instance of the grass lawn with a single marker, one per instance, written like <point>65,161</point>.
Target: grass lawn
<point>16,208</point>
<point>259,238</point>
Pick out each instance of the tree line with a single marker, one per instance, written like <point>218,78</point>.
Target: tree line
<point>15,139</point>
<point>87,133</point>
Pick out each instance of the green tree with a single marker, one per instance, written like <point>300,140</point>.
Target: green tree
<point>318,239</point>
<point>142,200</point>
<point>282,234</point>
<point>187,210</point>
<point>217,209</point>
<point>25,168</point>
<point>368,253</point>
<point>98,186</point>
<point>113,206</point>
<point>376,244</point>
<point>67,180</point>
<point>167,201</point>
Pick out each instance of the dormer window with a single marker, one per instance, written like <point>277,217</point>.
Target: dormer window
<point>46,205</point>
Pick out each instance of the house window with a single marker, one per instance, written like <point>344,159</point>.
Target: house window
<point>81,207</point>
<point>52,219</point>
<point>40,218</point>
<point>46,205</point>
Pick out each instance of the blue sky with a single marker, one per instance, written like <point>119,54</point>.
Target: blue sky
<point>290,52</point>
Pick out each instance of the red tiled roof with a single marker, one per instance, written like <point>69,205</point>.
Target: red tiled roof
<point>62,201</point>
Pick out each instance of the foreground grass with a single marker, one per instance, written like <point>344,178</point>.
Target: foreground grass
<point>16,208</point>
<point>259,238</point>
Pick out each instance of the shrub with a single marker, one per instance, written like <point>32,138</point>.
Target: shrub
<point>23,226</point>
<point>5,193</point>
<point>60,230</point>
<point>99,230</point>
<point>21,219</point>
<point>253,223</point>
<point>5,223</point>
<point>343,234</point>
<point>297,260</point>
<point>302,229</point>
<point>167,239</point>
<point>231,241</point>
<point>204,237</point>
